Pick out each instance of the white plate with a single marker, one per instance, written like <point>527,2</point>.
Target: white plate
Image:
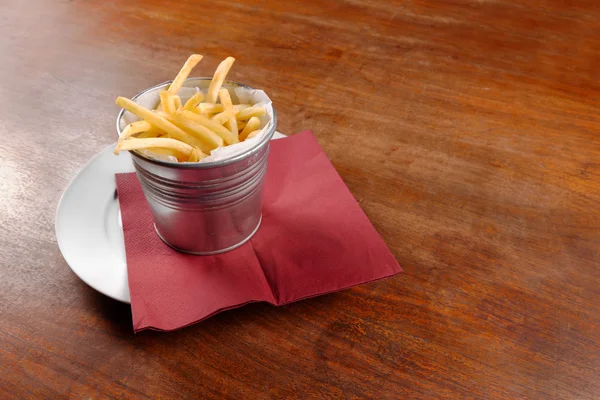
<point>88,224</point>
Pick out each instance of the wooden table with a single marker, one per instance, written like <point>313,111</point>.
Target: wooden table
<point>467,130</point>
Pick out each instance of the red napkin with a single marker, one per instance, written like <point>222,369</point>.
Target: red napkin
<point>314,239</point>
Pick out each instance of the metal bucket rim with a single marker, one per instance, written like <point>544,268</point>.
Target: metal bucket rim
<point>199,165</point>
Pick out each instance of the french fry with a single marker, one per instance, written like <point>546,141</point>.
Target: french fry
<point>158,121</point>
<point>254,111</point>
<point>253,134</point>
<point>228,137</point>
<point>239,107</point>
<point>200,154</point>
<point>167,102</point>
<point>197,155</point>
<point>193,101</point>
<point>194,156</point>
<point>177,83</point>
<point>223,117</point>
<point>209,140</point>
<point>149,134</point>
<point>208,108</point>
<point>162,113</point>
<point>164,152</point>
<point>218,79</point>
<point>182,150</point>
<point>135,128</point>
<point>251,126</point>
<point>176,102</point>
<point>225,98</point>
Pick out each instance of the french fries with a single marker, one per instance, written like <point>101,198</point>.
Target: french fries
<point>191,129</point>
<point>167,102</point>
<point>177,83</point>
<point>135,128</point>
<point>222,118</point>
<point>231,123</point>
<point>158,121</point>
<point>177,102</point>
<point>193,101</point>
<point>196,155</point>
<point>208,108</point>
<point>209,139</point>
<point>254,111</point>
<point>151,134</point>
<point>182,150</point>
<point>219,129</point>
<point>253,134</point>
<point>218,79</point>
<point>252,125</point>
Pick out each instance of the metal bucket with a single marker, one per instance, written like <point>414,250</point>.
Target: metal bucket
<point>205,208</point>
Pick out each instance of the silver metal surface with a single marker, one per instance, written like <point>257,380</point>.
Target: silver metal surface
<point>214,252</point>
<point>205,208</point>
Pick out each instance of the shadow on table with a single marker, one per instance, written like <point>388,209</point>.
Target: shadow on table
<point>115,314</point>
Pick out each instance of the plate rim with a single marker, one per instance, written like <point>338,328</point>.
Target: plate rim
<point>61,247</point>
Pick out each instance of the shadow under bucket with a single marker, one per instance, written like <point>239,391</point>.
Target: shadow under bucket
<point>208,207</point>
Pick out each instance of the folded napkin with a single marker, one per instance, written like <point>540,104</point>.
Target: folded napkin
<point>314,239</point>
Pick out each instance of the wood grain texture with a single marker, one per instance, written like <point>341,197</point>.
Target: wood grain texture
<point>466,129</point>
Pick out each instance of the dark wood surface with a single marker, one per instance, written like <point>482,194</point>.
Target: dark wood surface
<point>467,130</point>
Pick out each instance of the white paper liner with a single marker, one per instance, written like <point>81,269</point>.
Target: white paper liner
<point>239,95</point>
